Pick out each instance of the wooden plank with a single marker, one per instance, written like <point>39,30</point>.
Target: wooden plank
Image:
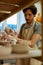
<point>31,53</point>
<point>24,4</point>
<point>42,30</point>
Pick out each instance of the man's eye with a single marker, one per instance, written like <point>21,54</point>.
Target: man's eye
<point>29,14</point>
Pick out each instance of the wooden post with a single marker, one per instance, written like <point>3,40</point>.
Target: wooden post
<point>42,29</point>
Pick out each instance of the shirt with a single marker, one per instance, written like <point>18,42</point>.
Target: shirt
<point>28,31</point>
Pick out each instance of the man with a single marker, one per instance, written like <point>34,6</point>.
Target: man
<point>30,31</point>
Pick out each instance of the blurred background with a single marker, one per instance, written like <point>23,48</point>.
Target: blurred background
<point>14,22</point>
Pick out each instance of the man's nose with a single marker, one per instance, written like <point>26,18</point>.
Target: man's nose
<point>27,17</point>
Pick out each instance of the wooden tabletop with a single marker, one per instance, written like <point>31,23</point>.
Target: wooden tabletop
<point>31,53</point>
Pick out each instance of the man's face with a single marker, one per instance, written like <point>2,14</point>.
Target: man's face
<point>29,16</point>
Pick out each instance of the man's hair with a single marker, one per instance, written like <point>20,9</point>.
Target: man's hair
<point>32,8</point>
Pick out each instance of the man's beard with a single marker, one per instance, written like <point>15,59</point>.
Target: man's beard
<point>29,21</point>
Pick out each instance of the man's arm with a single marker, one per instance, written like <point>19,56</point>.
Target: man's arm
<point>36,36</point>
<point>34,39</point>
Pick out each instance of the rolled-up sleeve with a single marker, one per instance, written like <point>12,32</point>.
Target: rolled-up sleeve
<point>38,28</point>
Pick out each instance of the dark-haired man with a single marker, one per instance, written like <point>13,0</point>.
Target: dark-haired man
<point>30,31</point>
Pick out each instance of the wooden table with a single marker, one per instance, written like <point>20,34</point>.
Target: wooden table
<point>31,53</point>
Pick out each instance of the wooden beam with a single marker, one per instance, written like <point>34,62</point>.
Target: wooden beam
<point>24,5</point>
<point>42,30</point>
<point>3,17</point>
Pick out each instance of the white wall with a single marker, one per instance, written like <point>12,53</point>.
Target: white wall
<point>39,9</point>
